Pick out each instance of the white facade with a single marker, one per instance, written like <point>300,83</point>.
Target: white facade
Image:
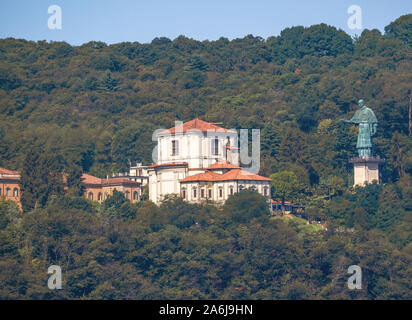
<point>198,149</point>
<point>190,150</point>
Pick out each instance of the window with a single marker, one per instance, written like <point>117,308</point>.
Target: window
<point>265,191</point>
<point>127,195</point>
<point>220,193</point>
<point>209,193</point>
<point>241,188</point>
<point>99,196</point>
<point>135,195</point>
<point>202,193</point>
<point>105,195</point>
<point>90,196</point>
<point>15,192</point>
<point>184,193</point>
<point>8,191</point>
<point>194,193</point>
<point>215,146</point>
<point>253,188</point>
<point>175,147</point>
<point>231,191</point>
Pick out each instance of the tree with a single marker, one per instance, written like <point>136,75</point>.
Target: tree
<point>41,177</point>
<point>285,186</point>
<point>74,180</point>
<point>246,205</point>
<point>401,29</point>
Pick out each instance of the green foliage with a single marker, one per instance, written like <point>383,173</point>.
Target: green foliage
<point>188,251</point>
<point>41,178</point>
<point>246,205</point>
<point>401,29</point>
<point>97,105</point>
<point>285,185</point>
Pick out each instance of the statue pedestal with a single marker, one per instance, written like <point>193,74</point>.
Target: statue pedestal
<point>366,170</point>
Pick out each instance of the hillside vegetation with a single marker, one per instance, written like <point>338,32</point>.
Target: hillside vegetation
<point>94,107</point>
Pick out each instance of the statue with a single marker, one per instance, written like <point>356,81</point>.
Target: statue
<point>366,119</point>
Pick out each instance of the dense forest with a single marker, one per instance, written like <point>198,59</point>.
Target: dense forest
<point>94,107</point>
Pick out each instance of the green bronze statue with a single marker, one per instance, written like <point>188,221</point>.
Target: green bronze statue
<point>367,122</point>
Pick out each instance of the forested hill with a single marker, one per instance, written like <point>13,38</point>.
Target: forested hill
<point>98,104</point>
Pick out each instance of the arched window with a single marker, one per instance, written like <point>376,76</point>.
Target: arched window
<point>127,195</point>
<point>105,195</point>
<point>90,196</point>
<point>15,192</point>
<point>99,196</point>
<point>135,195</point>
<point>220,192</point>
<point>194,193</point>
<point>202,193</point>
<point>265,191</point>
<point>8,191</point>
<point>241,188</point>
<point>184,193</point>
<point>209,193</point>
<point>231,190</point>
<point>253,188</point>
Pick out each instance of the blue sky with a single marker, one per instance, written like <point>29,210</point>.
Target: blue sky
<point>126,20</point>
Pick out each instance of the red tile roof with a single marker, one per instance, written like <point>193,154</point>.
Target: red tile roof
<point>238,174</point>
<point>118,181</point>
<point>196,125</point>
<point>280,202</point>
<point>206,176</point>
<point>234,174</point>
<point>88,179</point>
<point>222,165</point>
<point>91,180</point>
<point>6,171</point>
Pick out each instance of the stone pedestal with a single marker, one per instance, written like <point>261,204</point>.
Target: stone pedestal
<point>366,170</point>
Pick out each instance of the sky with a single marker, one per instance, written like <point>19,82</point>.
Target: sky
<point>127,20</point>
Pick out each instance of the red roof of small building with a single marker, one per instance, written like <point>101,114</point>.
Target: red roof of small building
<point>196,125</point>
<point>89,179</point>
<point>280,202</point>
<point>117,181</point>
<point>6,171</point>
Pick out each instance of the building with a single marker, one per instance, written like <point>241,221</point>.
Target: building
<point>199,160</point>
<point>95,188</point>
<point>10,185</point>
<point>100,189</point>
<point>196,160</point>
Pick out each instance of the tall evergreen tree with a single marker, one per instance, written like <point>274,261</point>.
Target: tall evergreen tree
<point>41,177</point>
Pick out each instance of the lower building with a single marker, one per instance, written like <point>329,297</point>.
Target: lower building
<point>220,181</point>
<point>95,188</point>
<point>10,185</point>
<point>100,189</point>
